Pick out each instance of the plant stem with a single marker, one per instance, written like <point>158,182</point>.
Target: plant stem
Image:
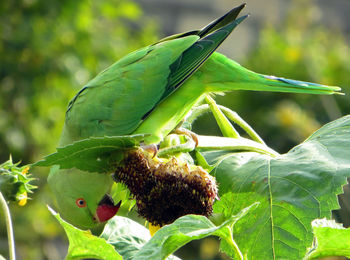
<point>243,124</point>
<point>10,236</point>
<point>232,242</point>
<point>196,112</point>
<point>200,110</point>
<point>226,127</point>
<point>188,146</point>
<point>233,144</point>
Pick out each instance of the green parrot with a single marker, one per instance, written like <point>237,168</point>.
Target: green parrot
<point>150,91</point>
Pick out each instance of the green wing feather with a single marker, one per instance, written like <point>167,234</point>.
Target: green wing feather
<point>186,64</point>
<point>119,98</point>
<point>114,102</point>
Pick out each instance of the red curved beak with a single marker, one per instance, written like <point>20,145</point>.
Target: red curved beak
<point>106,209</point>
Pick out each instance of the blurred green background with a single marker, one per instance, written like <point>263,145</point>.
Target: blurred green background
<point>50,49</point>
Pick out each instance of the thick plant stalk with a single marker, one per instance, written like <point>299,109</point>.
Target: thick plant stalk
<point>233,116</point>
<point>188,146</point>
<point>10,236</point>
<point>233,244</point>
<point>226,127</point>
<point>243,124</point>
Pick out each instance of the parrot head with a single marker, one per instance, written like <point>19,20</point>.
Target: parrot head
<point>82,197</point>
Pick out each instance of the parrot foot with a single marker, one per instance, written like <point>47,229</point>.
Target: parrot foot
<point>184,131</point>
<point>151,148</point>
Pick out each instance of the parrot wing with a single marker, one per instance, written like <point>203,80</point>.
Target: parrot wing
<point>117,100</point>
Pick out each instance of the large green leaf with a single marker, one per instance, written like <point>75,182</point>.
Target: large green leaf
<point>127,236</point>
<point>83,245</point>
<point>332,239</point>
<point>185,229</point>
<point>95,154</point>
<point>293,189</point>
<point>124,238</point>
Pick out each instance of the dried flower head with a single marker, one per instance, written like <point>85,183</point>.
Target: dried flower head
<point>166,190</point>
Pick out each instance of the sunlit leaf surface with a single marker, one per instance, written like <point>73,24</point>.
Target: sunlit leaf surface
<point>293,189</point>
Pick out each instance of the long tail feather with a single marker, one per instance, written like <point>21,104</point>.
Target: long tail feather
<point>229,76</point>
<point>302,86</point>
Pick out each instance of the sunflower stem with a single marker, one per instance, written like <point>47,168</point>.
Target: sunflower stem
<point>243,124</point>
<point>226,127</point>
<point>10,236</point>
<point>231,115</point>
<point>232,242</point>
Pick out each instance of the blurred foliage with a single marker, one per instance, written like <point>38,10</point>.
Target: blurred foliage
<point>50,49</point>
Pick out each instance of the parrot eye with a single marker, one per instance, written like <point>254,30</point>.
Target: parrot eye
<point>81,203</point>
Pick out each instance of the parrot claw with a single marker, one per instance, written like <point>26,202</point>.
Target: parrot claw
<point>190,134</point>
<point>151,148</point>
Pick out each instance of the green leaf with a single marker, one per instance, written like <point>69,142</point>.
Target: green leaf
<point>126,235</point>
<point>82,244</point>
<point>95,154</point>
<point>185,229</point>
<point>293,189</point>
<point>332,239</point>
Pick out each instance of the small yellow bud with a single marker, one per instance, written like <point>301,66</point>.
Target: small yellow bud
<point>23,199</point>
<point>25,170</point>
